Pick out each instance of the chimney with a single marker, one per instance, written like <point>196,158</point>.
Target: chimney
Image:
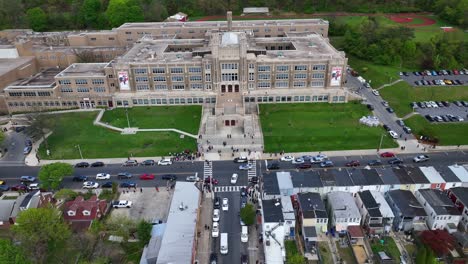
<point>229,20</point>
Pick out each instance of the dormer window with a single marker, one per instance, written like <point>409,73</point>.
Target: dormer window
<point>86,212</point>
<point>71,213</point>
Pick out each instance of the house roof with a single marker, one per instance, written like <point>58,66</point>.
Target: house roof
<point>6,206</point>
<point>312,205</point>
<point>447,174</point>
<point>406,203</point>
<point>460,172</point>
<point>327,178</point>
<point>342,178</point>
<point>284,180</point>
<point>357,177</point>
<point>432,175</point>
<point>306,179</point>
<point>402,176</point>
<point>440,203</point>
<point>272,211</point>
<point>384,208</point>
<point>372,177</point>
<point>270,184</point>
<point>388,176</point>
<point>416,175</point>
<point>96,207</point>
<point>355,232</point>
<point>343,205</point>
<point>462,238</point>
<point>310,231</point>
<point>461,193</point>
<point>369,202</point>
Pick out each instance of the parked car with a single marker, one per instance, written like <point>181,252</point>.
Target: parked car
<point>304,166</point>
<point>287,158</point>
<point>192,178</point>
<point>353,163</point>
<point>370,107</point>
<point>128,184</point>
<point>82,165</point>
<point>217,203</point>
<point>81,178</point>
<point>385,103</point>
<point>90,185</point>
<point>130,163</point>
<point>414,105</point>
<point>245,167</point>
<point>165,162</point>
<point>273,166</point>
<point>374,162</point>
<point>4,187</point>
<point>147,176</point>
<point>387,154</point>
<point>400,122</point>
<point>420,158</point>
<point>326,164</point>
<point>19,187</point>
<point>147,163</point>
<point>241,159</point>
<point>407,130</point>
<point>28,142</point>
<point>215,229</point>
<point>33,186</point>
<point>298,161</point>
<point>27,179</point>
<point>103,176</point>
<point>124,175</point>
<point>169,177</point>
<point>107,184</point>
<point>27,150</point>
<point>215,215</point>
<point>395,161</point>
<point>122,204</point>
<point>234,178</point>
<point>390,110</point>
<point>225,205</point>
<point>387,128</point>
<point>375,92</point>
<point>393,134</point>
<point>97,164</point>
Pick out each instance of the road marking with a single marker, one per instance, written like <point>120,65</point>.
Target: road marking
<point>228,188</point>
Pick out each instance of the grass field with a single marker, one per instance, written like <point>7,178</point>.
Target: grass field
<point>448,134</point>
<point>186,118</point>
<point>318,127</point>
<point>388,247</point>
<point>346,254</point>
<point>292,254</point>
<point>325,252</point>
<point>400,95</point>
<point>97,142</point>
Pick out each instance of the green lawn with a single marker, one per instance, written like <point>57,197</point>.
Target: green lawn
<point>292,254</point>
<point>186,118</point>
<point>325,253</point>
<point>388,247</point>
<point>402,94</point>
<point>411,249</point>
<point>97,142</point>
<point>346,254</point>
<point>448,134</point>
<point>318,127</point>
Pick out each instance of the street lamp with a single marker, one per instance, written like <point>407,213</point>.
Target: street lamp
<point>126,114</point>
<point>79,150</point>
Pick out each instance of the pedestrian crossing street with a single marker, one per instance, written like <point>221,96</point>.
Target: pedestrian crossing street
<point>252,172</point>
<point>207,169</point>
<point>228,188</point>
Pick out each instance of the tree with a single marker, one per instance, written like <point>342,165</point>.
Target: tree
<point>90,12</point>
<point>247,214</point>
<point>9,253</point>
<point>42,233</point>
<point>37,19</point>
<point>66,194</point>
<point>121,11</point>
<point>439,241</point>
<point>39,125</point>
<point>51,175</point>
<point>144,232</point>
<point>421,255</point>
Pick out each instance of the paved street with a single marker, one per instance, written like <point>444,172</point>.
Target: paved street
<point>412,78</point>
<point>15,143</point>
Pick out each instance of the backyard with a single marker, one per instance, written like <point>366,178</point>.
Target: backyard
<point>346,253</point>
<point>186,118</point>
<point>448,134</point>
<point>388,246</point>
<point>77,129</point>
<point>292,254</point>
<point>318,127</point>
<point>325,253</point>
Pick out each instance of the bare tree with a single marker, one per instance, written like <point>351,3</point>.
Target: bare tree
<point>39,124</point>
<point>85,55</point>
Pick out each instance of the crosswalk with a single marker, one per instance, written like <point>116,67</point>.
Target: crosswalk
<point>207,169</point>
<point>252,172</point>
<point>228,188</point>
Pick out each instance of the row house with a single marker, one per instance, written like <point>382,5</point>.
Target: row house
<point>409,213</point>
<point>459,196</point>
<point>377,216</point>
<point>441,212</point>
<point>343,211</point>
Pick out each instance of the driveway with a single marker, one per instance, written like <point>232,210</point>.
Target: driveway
<point>14,143</point>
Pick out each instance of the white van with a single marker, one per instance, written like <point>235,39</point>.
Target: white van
<point>244,234</point>
<point>223,243</point>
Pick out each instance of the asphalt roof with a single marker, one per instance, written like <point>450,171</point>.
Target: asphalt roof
<point>416,175</point>
<point>447,174</point>
<point>327,178</point>
<point>306,178</point>
<point>342,178</point>
<point>372,177</point>
<point>272,211</point>
<point>439,202</point>
<point>270,184</point>
<point>402,176</point>
<point>407,203</point>
<point>388,176</point>
<point>369,202</point>
<point>310,231</point>
<point>358,177</point>
<point>461,193</point>
<point>312,205</point>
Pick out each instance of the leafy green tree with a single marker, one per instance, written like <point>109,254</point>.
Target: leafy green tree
<point>122,11</point>
<point>247,214</point>
<point>51,175</point>
<point>9,253</point>
<point>42,233</point>
<point>66,194</point>
<point>144,232</point>
<point>421,255</point>
<point>90,12</point>
<point>37,19</point>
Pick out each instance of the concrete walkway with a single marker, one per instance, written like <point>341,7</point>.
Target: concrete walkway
<point>410,115</point>
<point>389,84</point>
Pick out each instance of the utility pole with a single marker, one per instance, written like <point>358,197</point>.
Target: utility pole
<point>79,150</point>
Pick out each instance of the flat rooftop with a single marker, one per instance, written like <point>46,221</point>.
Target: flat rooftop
<point>44,78</point>
<point>84,69</point>
<point>7,65</point>
<point>343,205</point>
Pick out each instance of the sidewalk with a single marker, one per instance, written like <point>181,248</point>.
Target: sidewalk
<point>203,250</point>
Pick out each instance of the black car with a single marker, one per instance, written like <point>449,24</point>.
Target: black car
<point>273,166</point>
<point>407,130</point>
<point>97,164</point>
<point>217,203</point>
<point>124,175</point>
<point>464,103</point>
<point>81,178</point>
<point>147,163</point>
<point>370,107</point>
<point>390,110</point>
<point>128,185</point>
<point>169,177</point>
<point>387,127</point>
<point>82,165</point>
<point>253,180</point>
<point>243,192</point>
<point>429,118</point>
<point>107,185</point>
<point>213,258</point>
<point>244,259</point>
<point>28,143</point>
<point>374,162</point>
<point>445,103</point>
<point>395,161</point>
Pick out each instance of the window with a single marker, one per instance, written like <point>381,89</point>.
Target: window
<point>300,68</point>
<point>15,94</point>
<point>128,32</point>
<point>299,84</point>
<point>196,86</point>
<point>207,67</point>
<point>111,38</point>
<point>99,89</point>
<point>177,70</point>
<point>43,93</point>
<point>207,86</point>
<point>264,76</point>
<point>64,82</point>
<point>317,83</point>
<point>177,78</point>
<point>320,67</point>
<point>82,90</point>
<point>195,78</point>
<point>300,76</point>
<point>66,90</point>
<point>319,75</point>
<point>282,68</point>
<point>142,87</point>
<point>81,81</point>
<point>29,94</point>
<point>159,70</point>
<point>97,81</point>
<point>195,70</point>
<point>227,77</point>
<point>229,66</point>
<point>251,76</point>
<point>251,66</point>
<point>282,76</point>
<point>264,68</point>
<point>208,77</point>
<point>178,87</point>
<point>263,85</point>
<point>140,71</point>
<point>282,84</point>
<point>159,78</point>
<point>251,85</point>
<point>141,79</point>
<point>160,87</point>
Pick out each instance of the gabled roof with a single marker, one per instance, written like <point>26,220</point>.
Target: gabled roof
<point>369,202</point>
<point>461,193</point>
<point>357,177</point>
<point>447,174</point>
<point>342,178</point>
<point>460,172</point>
<point>6,206</point>
<point>440,203</point>
<point>432,175</point>
<point>306,179</point>
<point>406,202</point>
<point>388,176</point>
<point>416,175</point>
<point>312,205</point>
<point>372,177</point>
<point>402,176</point>
<point>96,207</point>
<point>355,232</point>
<point>272,211</point>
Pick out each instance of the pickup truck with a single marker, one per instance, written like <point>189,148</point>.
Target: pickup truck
<point>122,204</point>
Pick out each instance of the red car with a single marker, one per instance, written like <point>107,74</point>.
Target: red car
<point>305,166</point>
<point>353,163</point>
<point>19,187</point>
<point>213,181</point>
<point>147,176</point>
<point>387,155</point>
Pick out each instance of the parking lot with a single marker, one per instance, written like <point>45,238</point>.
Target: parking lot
<point>451,113</point>
<point>148,204</point>
<point>412,77</point>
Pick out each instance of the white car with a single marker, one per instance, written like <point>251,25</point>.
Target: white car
<point>393,134</point>
<point>90,185</point>
<point>164,162</point>
<point>33,186</point>
<point>215,215</point>
<point>245,166</point>
<point>102,176</point>
<point>225,204</point>
<point>298,161</point>
<point>323,156</point>
<point>234,178</point>
<point>287,158</point>
<point>420,158</point>
<point>192,178</point>
<point>375,92</point>
<point>215,230</point>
